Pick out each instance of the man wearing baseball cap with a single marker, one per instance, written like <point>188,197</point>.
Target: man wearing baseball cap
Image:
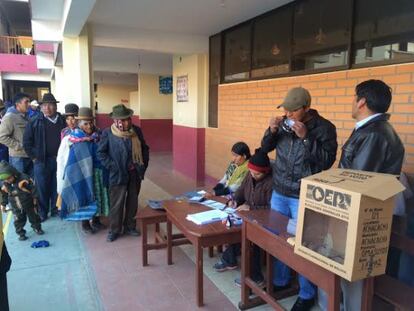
<point>305,144</point>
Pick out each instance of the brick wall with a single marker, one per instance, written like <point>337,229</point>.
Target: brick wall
<point>245,108</point>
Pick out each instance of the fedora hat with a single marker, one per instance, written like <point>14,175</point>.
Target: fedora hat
<point>85,113</point>
<point>121,112</point>
<point>48,98</point>
<point>71,110</point>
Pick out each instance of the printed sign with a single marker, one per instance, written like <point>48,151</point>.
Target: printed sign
<point>182,89</point>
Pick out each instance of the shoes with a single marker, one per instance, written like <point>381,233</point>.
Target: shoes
<point>260,283</point>
<point>111,237</point>
<point>303,304</point>
<point>22,237</point>
<point>132,232</point>
<point>39,231</point>
<point>87,228</point>
<point>222,266</point>
<point>96,224</point>
<point>54,213</point>
<point>43,218</point>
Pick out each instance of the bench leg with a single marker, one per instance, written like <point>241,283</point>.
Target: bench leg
<point>144,232</point>
<point>169,242</point>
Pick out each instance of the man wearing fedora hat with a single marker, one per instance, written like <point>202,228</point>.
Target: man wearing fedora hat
<point>305,144</point>
<point>123,151</point>
<point>41,142</point>
<point>11,133</point>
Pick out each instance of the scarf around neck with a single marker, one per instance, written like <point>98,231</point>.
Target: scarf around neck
<point>136,143</point>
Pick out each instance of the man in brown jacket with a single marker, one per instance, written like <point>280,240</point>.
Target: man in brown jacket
<point>254,193</point>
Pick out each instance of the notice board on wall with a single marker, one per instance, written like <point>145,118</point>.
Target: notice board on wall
<point>182,88</point>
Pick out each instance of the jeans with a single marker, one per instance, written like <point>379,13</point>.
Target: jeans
<point>288,206</point>
<point>45,178</point>
<point>230,257</point>
<point>23,165</point>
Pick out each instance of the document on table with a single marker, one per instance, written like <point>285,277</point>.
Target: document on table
<point>214,204</point>
<point>207,217</point>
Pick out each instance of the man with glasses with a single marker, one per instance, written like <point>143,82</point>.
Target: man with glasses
<point>41,141</point>
<point>305,144</point>
<point>11,133</point>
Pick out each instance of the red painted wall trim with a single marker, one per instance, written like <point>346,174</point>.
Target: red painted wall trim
<point>158,134</point>
<point>189,151</point>
<point>44,47</point>
<point>18,63</point>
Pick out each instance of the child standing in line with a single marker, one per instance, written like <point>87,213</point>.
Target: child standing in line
<point>21,193</point>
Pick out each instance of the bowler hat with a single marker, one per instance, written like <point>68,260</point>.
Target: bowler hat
<point>296,98</point>
<point>71,110</point>
<point>121,112</point>
<point>85,113</point>
<point>48,98</point>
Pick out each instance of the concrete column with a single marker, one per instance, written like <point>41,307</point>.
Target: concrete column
<point>190,118</point>
<point>77,69</point>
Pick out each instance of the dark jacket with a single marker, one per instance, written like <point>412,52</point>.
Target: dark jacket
<point>297,158</point>
<point>18,198</point>
<point>34,137</point>
<point>374,147</point>
<point>256,194</point>
<point>115,155</point>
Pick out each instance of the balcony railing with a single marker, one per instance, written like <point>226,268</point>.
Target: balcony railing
<point>17,45</point>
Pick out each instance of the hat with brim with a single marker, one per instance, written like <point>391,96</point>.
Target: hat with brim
<point>296,98</point>
<point>48,98</point>
<point>6,170</point>
<point>85,113</point>
<point>71,110</point>
<point>121,112</point>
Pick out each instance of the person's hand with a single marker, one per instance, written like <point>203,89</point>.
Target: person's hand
<point>209,194</point>
<point>300,129</point>
<point>274,124</point>
<point>232,204</point>
<point>243,207</point>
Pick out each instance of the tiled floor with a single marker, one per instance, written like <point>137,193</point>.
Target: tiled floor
<point>86,273</point>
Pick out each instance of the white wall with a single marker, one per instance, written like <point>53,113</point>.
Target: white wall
<point>109,95</point>
<point>152,104</point>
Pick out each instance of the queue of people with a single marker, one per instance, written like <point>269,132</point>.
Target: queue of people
<point>88,173</point>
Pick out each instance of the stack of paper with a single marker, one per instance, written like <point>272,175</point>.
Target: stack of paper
<point>214,204</point>
<point>207,217</point>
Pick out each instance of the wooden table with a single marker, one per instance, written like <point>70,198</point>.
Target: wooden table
<point>148,216</point>
<point>267,229</point>
<point>214,234</point>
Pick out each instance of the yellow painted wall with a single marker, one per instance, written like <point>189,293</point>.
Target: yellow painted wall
<point>109,95</point>
<point>193,112</point>
<point>133,102</point>
<point>152,104</point>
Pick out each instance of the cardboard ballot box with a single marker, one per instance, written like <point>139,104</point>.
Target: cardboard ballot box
<point>344,221</point>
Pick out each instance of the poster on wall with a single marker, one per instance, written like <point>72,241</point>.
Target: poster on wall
<point>182,89</point>
<point>165,85</point>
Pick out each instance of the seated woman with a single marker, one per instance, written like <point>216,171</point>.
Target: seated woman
<point>255,192</point>
<point>235,173</point>
<point>84,191</point>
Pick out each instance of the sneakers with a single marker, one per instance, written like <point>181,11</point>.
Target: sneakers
<point>39,231</point>
<point>111,237</point>
<point>22,237</point>
<point>222,266</point>
<point>303,304</point>
<point>260,283</point>
<point>132,232</point>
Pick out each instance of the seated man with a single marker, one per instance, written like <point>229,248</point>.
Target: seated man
<point>254,193</point>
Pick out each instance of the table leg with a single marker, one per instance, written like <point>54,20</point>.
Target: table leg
<point>335,296</point>
<point>269,273</point>
<point>245,256</point>
<point>169,242</point>
<point>144,232</point>
<point>157,230</point>
<point>367,294</point>
<point>199,273</point>
<point>211,251</point>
